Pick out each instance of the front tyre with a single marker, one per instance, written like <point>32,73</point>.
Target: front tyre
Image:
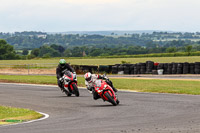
<point>76,91</point>
<point>110,98</point>
<point>117,101</point>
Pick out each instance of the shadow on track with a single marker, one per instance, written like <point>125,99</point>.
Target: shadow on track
<point>64,96</point>
<point>105,105</point>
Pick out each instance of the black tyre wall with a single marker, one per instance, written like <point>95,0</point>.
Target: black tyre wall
<point>197,68</point>
<point>114,69</point>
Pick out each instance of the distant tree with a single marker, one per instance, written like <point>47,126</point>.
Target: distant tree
<point>46,50</point>
<point>77,52</point>
<point>67,53</point>
<point>151,44</point>
<point>25,52</point>
<point>188,48</point>
<point>59,48</point>
<point>96,52</point>
<point>171,50</point>
<point>35,52</point>
<point>47,55</point>
<point>7,51</point>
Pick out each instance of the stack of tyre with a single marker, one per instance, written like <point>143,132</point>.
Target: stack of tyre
<point>197,67</point>
<point>137,68</point>
<point>115,69</point>
<point>191,68</point>
<point>186,67</point>
<point>142,68</point>
<point>179,68</point>
<point>165,68</point>
<point>86,68</point>
<point>132,68</point>
<point>160,66</point>
<point>169,68</point>
<point>127,68</point>
<point>121,69</point>
<point>106,68</point>
<point>174,68</point>
<point>149,67</point>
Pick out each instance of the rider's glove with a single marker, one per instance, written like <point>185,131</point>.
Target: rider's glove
<point>89,89</point>
<point>104,77</point>
<point>61,79</point>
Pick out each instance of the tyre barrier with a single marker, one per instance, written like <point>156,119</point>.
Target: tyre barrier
<point>150,66</point>
<point>104,68</point>
<point>141,68</point>
<point>191,68</point>
<point>174,68</point>
<point>114,69</point>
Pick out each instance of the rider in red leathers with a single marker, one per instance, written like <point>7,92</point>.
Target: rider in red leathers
<point>90,81</point>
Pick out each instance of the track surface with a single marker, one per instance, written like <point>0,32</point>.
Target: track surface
<point>137,112</point>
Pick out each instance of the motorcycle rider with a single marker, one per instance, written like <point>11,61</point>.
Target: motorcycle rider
<point>90,82</point>
<point>59,72</point>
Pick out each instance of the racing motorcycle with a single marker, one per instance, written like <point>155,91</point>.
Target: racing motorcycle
<point>105,91</point>
<point>70,83</point>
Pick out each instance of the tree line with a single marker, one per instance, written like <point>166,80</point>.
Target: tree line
<point>74,45</point>
<point>46,51</point>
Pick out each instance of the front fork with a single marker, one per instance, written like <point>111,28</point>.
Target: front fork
<point>70,87</point>
<point>113,94</point>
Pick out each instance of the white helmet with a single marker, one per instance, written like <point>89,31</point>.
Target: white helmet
<point>88,77</point>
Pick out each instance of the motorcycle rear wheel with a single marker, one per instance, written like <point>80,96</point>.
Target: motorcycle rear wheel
<point>110,98</point>
<point>76,91</point>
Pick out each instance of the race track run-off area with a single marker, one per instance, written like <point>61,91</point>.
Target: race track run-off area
<point>136,113</point>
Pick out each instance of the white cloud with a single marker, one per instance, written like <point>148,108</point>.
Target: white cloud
<point>65,15</point>
<point>89,1</point>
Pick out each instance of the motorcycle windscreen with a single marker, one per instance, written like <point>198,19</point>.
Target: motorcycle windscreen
<point>68,73</point>
<point>98,83</point>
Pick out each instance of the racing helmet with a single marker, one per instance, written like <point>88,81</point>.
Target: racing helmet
<point>62,62</point>
<point>88,77</point>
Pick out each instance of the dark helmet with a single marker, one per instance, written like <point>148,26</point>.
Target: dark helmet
<point>62,62</point>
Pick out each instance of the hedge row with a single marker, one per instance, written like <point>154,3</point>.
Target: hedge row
<point>142,68</point>
<point>176,54</point>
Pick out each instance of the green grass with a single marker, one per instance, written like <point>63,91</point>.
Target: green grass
<point>140,85</point>
<point>13,114</point>
<point>159,86</point>
<point>105,61</point>
<point>29,79</point>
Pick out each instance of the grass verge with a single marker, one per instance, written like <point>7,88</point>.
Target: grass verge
<point>103,61</point>
<point>140,85</point>
<point>12,115</point>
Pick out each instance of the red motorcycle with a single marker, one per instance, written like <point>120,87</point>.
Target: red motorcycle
<point>70,83</point>
<point>105,91</point>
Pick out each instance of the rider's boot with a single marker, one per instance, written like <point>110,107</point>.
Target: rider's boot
<point>67,93</point>
<point>89,89</point>
<point>110,83</point>
<point>95,95</point>
<point>62,89</point>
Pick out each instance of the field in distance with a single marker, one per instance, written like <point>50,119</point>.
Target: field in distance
<point>106,61</point>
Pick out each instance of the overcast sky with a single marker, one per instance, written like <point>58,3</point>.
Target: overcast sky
<point>99,15</point>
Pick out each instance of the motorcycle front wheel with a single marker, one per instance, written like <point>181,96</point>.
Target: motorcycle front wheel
<point>76,91</point>
<point>110,98</point>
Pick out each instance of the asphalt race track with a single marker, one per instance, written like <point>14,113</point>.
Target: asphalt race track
<point>137,112</point>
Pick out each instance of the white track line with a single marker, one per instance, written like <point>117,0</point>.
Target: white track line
<point>130,91</point>
<point>45,117</point>
<point>53,86</point>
